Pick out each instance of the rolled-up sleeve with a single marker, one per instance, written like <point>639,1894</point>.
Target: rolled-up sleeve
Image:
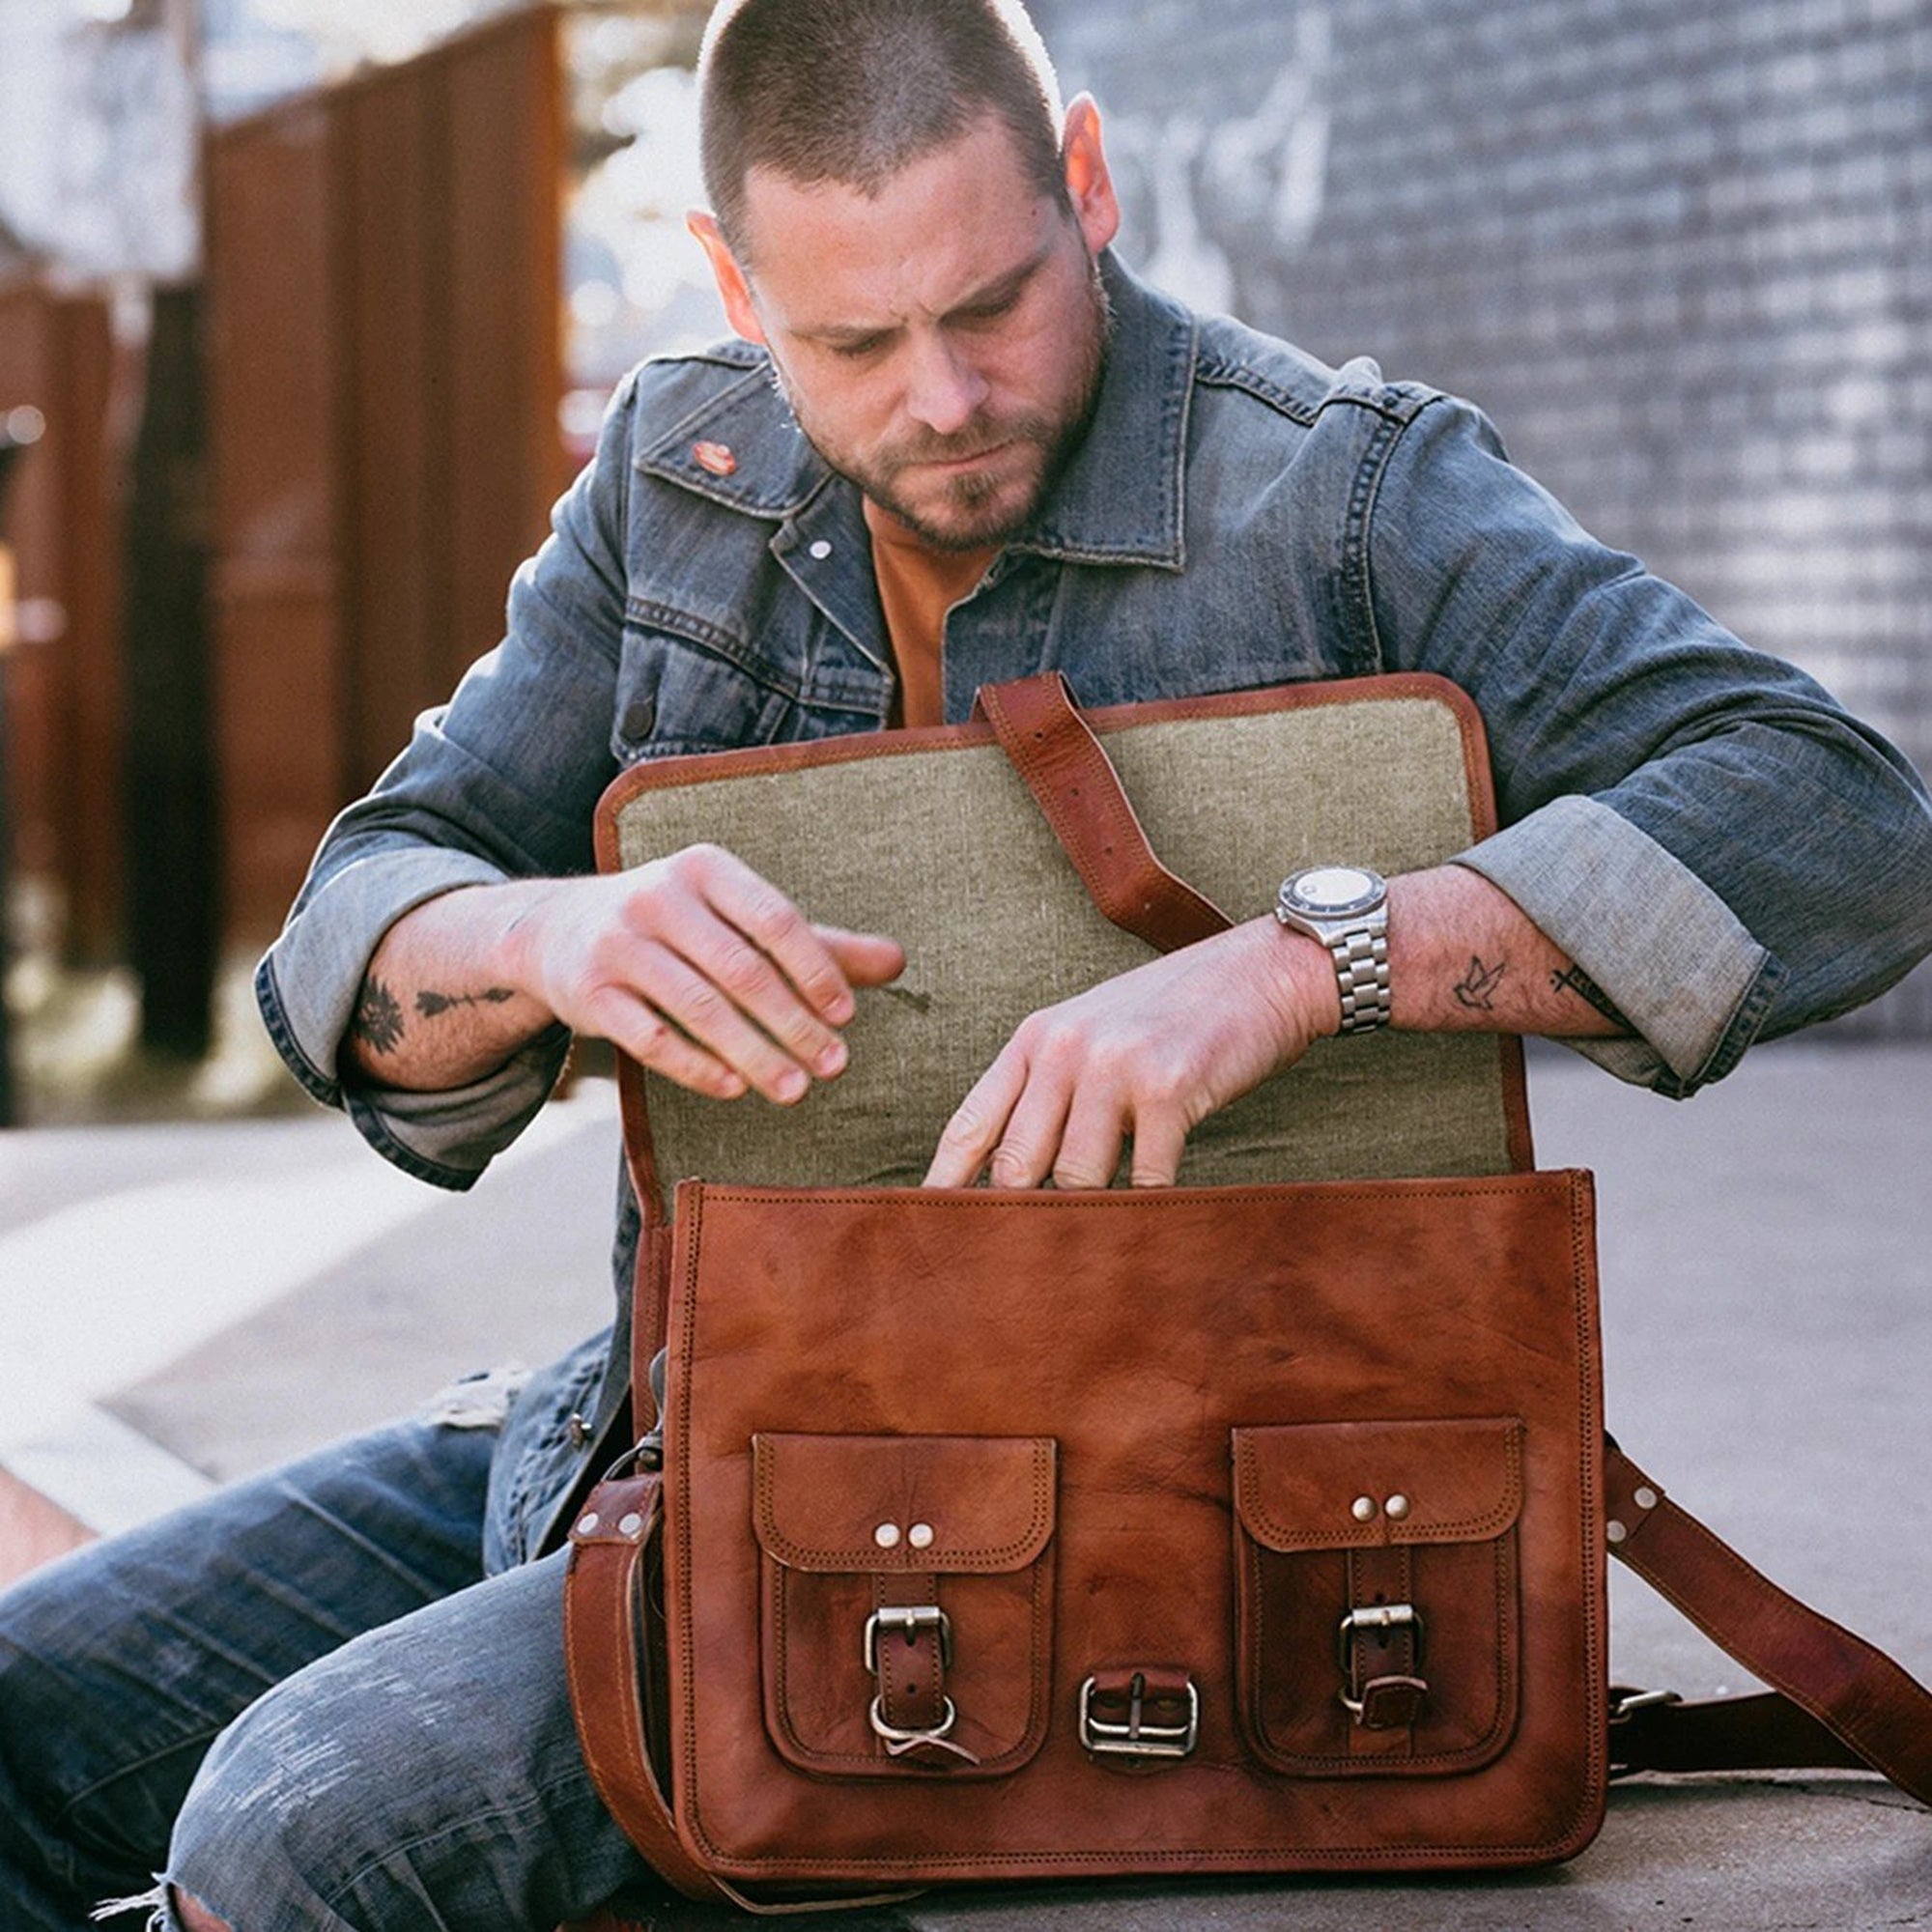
<point>1691,980</point>
<point>1725,850</point>
<point>499,783</point>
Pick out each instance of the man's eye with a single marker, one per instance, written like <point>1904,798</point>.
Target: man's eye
<point>856,352</point>
<point>988,312</point>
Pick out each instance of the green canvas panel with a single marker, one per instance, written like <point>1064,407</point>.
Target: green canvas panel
<point>944,849</point>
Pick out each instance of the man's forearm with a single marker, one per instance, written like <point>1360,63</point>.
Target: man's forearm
<point>692,964</point>
<point>1464,957</point>
<point>440,1005</point>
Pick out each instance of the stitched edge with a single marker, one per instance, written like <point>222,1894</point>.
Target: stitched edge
<point>861,1560</point>
<point>1506,1627</point>
<point>1256,1516</point>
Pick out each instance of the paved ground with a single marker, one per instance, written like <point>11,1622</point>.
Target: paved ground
<point>179,1302</point>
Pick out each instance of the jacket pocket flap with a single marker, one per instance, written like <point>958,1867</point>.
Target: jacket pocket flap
<point>1351,1485</point>
<point>888,1503</point>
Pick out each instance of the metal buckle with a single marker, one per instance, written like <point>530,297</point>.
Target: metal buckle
<point>1137,1738</point>
<point>908,1620</point>
<point>1377,1617</point>
<point>646,1454</point>
<point>898,1741</point>
<point>1624,1702</point>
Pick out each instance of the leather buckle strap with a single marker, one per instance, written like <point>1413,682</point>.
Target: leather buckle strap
<point>1079,793</point>
<point>1378,1651</point>
<point>908,1649</point>
<point>1392,1700</point>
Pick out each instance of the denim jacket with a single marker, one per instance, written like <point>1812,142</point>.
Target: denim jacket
<point>1700,827</point>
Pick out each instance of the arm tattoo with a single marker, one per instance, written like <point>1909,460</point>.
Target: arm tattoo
<point>1573,980</point>
<point>379,1017</point>
<point>1474,988</point>
<point>428,1004</point>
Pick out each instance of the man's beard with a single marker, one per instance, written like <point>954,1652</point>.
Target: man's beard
<point>980,521</point>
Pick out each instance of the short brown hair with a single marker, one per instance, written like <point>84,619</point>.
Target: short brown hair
<point>851,91</point>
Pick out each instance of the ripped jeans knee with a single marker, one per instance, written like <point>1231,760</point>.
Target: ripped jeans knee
<point>424,1773</point>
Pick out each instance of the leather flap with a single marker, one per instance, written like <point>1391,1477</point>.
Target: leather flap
<point>888,1503</point>
<point>1330,1485</point>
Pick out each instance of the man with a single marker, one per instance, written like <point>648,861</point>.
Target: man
<point>1012,456</point>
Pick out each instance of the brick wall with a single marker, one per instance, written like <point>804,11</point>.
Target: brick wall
<point>1681,253</point>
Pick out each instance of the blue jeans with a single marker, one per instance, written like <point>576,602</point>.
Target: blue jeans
<point>303,1702</point>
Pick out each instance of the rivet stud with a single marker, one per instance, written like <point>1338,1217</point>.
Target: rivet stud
<point>887,1536</point>
<point>920,1536</point>
<point>587,1524</point>
<point>1645,1499</point>
<point>1615,1531</point>
<point>1397,1507</point>
<point>1363,1509</point>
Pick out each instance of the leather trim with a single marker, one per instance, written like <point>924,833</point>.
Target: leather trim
<point>1067,770</point>
<point>1320,1469</point>
<point>752,760</point>
<point>791,1473</point>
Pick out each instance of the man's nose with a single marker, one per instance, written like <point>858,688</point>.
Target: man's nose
<point>943,390</point>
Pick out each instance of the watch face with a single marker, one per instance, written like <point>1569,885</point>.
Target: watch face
<point>1332,891</point>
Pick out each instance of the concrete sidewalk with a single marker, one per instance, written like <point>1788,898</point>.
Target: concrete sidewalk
<point>183,1303</point>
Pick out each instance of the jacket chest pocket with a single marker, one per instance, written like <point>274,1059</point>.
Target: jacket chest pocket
<point>674,695</point>
<point>906,1594</point>
<point>1377,1594</point>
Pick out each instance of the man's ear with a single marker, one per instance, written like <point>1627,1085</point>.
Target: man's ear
<point>1089,185</point>
<point>733,291</point>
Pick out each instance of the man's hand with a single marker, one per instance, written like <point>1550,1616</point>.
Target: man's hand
<point>693,964</point>
<point>1151,1054</point>
<point>1145,1057</point>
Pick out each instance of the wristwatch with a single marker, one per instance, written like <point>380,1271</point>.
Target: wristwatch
<point>1345,907</point>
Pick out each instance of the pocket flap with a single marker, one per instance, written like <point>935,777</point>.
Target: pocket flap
<point>1328,1485</point>
<point>885,1503</point>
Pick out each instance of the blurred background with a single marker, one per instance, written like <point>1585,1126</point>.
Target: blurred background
<point>308,309</point>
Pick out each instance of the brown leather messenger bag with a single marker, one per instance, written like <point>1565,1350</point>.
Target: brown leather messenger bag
<point>1254,1524</point>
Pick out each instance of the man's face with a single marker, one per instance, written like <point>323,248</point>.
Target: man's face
<point>940,342</point>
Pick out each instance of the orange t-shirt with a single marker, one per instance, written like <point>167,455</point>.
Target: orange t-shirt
<point>917,585</point>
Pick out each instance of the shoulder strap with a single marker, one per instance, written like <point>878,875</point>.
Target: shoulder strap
<point>1835,1699</point>
<point>1073,783</point>
<point>611,1648</point>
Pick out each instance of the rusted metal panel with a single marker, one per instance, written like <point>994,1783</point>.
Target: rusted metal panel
<point>66,691</point>
<point>273,337</point>
<point>385,267</point>
<point>27,379</point>
<point>393,192</point>
<point>90,659</point>
<point>506,376</point>
<point>279,668</point>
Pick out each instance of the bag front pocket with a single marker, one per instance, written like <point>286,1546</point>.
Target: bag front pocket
<point>1378,1596</point>
<point>906,1600</point>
